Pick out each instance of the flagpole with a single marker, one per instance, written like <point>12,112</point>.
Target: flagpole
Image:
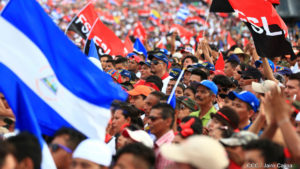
<point>175,86</point>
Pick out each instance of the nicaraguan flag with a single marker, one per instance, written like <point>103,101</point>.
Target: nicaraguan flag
<point>139,47</point>
<point>93,55</point>
<point>63,88</point>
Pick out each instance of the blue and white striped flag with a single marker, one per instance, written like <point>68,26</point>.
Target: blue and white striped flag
<point>183,12</point>
<point>59,86</point>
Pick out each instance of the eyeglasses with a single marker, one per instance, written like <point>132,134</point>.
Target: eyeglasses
<point>56,147</point>
<point>153,118</point>
<point>155,62</point>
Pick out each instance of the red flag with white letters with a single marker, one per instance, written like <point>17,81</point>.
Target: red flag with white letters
<point>268,30</point>
<point>105,40</point>
<point>82,23</point>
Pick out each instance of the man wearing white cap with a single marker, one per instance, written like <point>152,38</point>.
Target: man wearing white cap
<point>91,154</point>
<point>198,152</point>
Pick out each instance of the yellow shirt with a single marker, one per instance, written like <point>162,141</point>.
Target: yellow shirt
<point>206,117</point>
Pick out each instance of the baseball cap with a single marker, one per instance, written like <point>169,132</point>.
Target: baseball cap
<point>135,57</point>
<point>125,73</point>
<point>259,62</point>
<point>140,90</point>
<point>199,151</point>
<point>252,73</point>
<point>239,139</point>
<point>115,74</point>
<point>283,70</point>
<point>139,136</point>
<point>247,97</point>
<point>159,56</point>
<point>191,104</point>
<point>164,51</point>
<point>188,49</point>
<point>95,151</point>
<point>145,63</point>
<point>263,87</point>
<point>234,57</point>
<point>175,72</point>
<point>208,66</point>
<point>207,83</point>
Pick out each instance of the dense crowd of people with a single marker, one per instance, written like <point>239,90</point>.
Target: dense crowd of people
<point>234,109</point>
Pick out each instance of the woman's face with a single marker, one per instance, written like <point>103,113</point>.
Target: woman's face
<point>214,130</point>
<point>189,93</point>
<point>118,121</point>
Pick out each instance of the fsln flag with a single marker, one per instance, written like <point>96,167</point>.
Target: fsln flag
<point>268,30</point>
<point>82,23</point>
<point>105,39</point>
<point>63,90</point>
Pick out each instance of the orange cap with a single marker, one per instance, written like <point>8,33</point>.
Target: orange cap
<point>140,90</point>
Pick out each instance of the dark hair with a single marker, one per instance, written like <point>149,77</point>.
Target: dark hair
<point>130,111</point>
<point>158,94</point>
<point>196,126</point>
<point>5,150</point>
<point>108,57</point>
<point>223,81</point>
<point>181,86</point>
<point>167,111</point>
<point>121,60</point>
<point>27,145</point>
<point>271,152</point>
<point>156,80</point>
<point>193,58</point>
<point>191,88</point>
<point>74,136</point>
<point>200,73</point>
<point>113,62</point>
<point>140,152</point>
<point>233,63</point>
<point>244,66</point>
<point>295,76</point>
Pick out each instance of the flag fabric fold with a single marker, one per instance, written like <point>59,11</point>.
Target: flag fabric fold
<point>65,89</point>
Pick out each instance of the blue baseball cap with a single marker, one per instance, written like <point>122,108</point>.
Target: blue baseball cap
<point>145,63</point>
<point>165,51</point>
<point>159,56</point>
<point>259,62</point>
<point>234,57</point>
<point>246,97</point>
<point>175,72</point>
<point>208,66</point>
<point>284,70</point>
<point>208,84</point>
<point>125,73</point>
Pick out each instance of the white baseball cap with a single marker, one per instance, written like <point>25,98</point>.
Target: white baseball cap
<point>199,151</point>
<point>95,151</point>
<point>139,136</point>
<point>263,87</point>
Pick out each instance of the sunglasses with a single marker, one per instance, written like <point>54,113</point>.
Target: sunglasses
<point>56,147</point>
<point>246,77</point>
<point>153,118</point>
<point>155,62</point>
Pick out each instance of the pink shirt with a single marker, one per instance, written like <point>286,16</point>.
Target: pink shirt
<point>161,162</point>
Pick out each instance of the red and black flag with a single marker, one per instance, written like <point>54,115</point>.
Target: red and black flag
<point>105,40</point>
<point>82,23</point>
<point>268,30</point>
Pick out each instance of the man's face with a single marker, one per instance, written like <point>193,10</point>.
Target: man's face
<point>79,163</point>
<point>214,128</point>
<point>194,78</point>
<point>129,161</point>
<point>60,156</point>
<point>203,96</point>
<point>292,89</point>
<point>189,93</point>
<point>137,101</point>
<point>236,74</point>
<point>170,86</point>
<point>242,110</point>
<point>145,71</point>
<point>187,62</point>
<point>157,66</point>
<point>9,162</point>
<point>156,123</point>
<point>109,66</point>
<point>150,101</point>
<point>120,66</point>
<point>133,65</point>
<point>228,70</point>
<point>178,91</point>
<point>186,77</point>
<point>103,61</point>
<point>236,154</point>
<point>253,159</point>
